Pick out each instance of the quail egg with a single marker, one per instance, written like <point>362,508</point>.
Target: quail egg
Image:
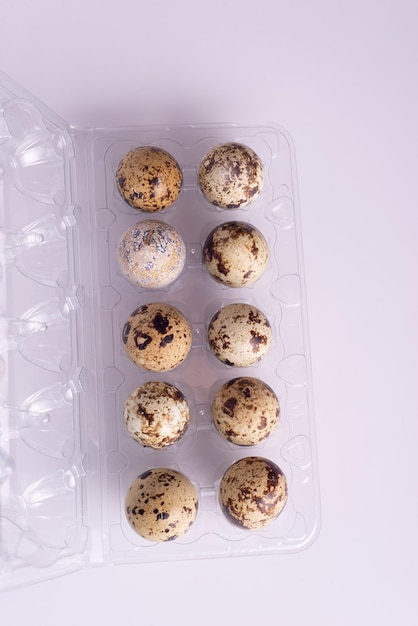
<point>161,504</point>
<point>239,335</point>
<point>235,253</point>
<point>231,175</point>
<point>245,411</point>
<point>149,178</point>
<point>157,337</point>
<point>156,414</point>
<point>253,492</point>
<point>151,254</point>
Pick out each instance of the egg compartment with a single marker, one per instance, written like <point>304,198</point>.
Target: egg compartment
<point>66,459</point>
<point>278,436</point>
<point>128,448</point>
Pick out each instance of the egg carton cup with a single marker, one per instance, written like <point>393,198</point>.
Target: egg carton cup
<point>66,458</point>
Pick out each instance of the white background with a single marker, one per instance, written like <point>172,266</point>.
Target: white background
<point>341,77</point>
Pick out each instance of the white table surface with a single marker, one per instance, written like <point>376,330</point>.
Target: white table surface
<point>341,77</point>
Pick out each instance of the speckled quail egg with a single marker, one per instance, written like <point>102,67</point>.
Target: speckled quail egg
<point>245,411</point>
<point>149,178</point>
<point>151,254</point>
<point>231,175</point>
<point>161,504</point>
<point>253,492</point>
<point>239,335</point>
<point>235,253</point>
<point>156,414</point>
<point>157,337</point>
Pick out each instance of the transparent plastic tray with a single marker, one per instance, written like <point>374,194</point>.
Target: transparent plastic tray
<point>66,459</point>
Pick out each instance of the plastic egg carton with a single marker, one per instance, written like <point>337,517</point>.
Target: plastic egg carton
<point>66,459</point>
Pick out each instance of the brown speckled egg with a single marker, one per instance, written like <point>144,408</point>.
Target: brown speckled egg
<point>235,253</point>
<point>156,414</point>
<point>253,492</point>
<point>161,504</point>
<point>149,178</point>
<point>245,411</point>
<point>151,254</point>
<point>239,335</point>
<point>231,175</point>
<point>157,337</point>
